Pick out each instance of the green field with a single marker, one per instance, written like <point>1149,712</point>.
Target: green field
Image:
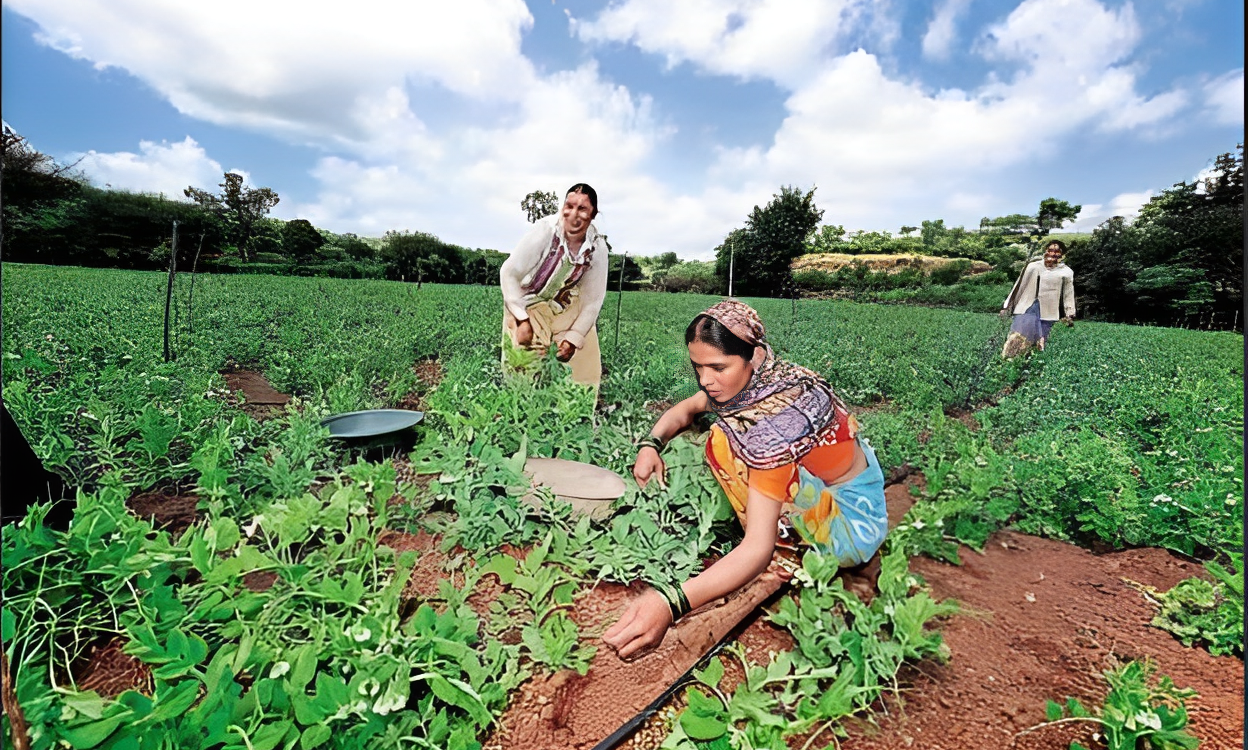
<point>1116,435</point>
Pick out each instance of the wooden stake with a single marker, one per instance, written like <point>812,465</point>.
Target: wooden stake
<point>190,300</point>
<point>619,302</point>
<point>173,268</point>
<point>12,709</point>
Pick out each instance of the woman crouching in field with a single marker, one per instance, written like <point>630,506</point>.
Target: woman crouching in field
<point>786,451</point>
<point>553,285</point>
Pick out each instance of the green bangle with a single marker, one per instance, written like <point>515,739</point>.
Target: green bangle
<point>675,597</point>
<point>652,441</point>
<point>684,600</point>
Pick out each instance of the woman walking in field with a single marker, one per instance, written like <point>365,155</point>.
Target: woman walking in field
<point>786,452</point>
<point>1043,293</point>
<point>553,285</point>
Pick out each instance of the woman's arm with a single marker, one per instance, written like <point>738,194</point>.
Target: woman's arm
<point>593,291</point>
<point>674,420</point>
<point>647,619</point>
<point>1023,283</point>
<point>1068,282</point>
<point>522,260</point>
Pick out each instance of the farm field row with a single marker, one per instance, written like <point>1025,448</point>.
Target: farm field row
<point>1117,436</point>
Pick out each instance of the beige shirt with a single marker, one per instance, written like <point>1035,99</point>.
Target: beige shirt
<point>518,269</point>
<point>1056,288</point>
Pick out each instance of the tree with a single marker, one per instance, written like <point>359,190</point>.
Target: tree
<point>420,256</point>
<point>240,207</point>
<point>773,237</point>
<point>300,240</point>
<point>1053,213</point>
<point>538,204</point>
<point>830,238</point>
<point>1179,262</point>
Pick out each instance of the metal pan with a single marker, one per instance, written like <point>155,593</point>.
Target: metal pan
<point>371,422</point>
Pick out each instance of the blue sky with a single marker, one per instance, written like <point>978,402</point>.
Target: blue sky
<point>439,117</point>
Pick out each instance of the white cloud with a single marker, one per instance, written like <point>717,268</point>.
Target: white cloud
<point>305,69</point>
<point>860,134</point>
<point>468,189</point>
<point>158,168</point>
<point>780,40</point>
<point>942,31</point>
<point>1126,205</point>
<point>882,150</point>
<point>1224,98</point>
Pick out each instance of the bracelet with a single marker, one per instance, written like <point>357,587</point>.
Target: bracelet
<point>652,441</point>
<point>677,602</point>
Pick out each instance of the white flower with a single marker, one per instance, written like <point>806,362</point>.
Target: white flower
<point>279,670</point>
<point>1162,499</point>
<point>918,525</point>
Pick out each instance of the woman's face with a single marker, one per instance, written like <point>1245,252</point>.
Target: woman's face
<point>577,213</point>
<point>1052,255</point>
<point>721,375</point>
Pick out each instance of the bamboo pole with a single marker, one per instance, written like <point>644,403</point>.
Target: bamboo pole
<point>619,302</point>
<point>190,300</point>
<point>173,268</point>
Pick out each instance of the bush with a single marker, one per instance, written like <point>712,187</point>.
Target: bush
<point>271,258</point>
<point>812,280</point>
<point>950,273</point>
<point>696,277</point>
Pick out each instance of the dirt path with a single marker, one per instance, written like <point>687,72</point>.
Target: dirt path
<point>1042,620</point>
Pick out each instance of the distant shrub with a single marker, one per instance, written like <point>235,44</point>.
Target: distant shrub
<point>696,277</point>
<point>950,273</point>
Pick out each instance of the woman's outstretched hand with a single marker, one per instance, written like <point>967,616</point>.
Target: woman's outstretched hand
<point>524,333</point>
<point>566,350</point>
<point>641,627</point>
<point>649,465</point>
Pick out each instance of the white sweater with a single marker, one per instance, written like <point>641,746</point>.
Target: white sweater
<point>528,255</point>
<point>1056,283</point>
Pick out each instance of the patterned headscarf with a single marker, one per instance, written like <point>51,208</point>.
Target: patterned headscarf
<point>785,409</point>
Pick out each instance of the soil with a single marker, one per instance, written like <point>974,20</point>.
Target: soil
<point>430,372</point>
<point>166,510</point>
<point>260,399</point>
<point>1042,620</point>
<point>110,671</point>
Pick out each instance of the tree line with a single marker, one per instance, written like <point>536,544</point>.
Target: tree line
<point>52,214</point>
<point>1179,262</point>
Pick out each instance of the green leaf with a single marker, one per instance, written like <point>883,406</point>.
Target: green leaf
<point>1052,711</point>
<point>174,702</point>
<point>85,736</point>
<point>270,735</point>
<point>702,727</point>
<point>503,566</point>
<point>713,673</point>
<point>458,694</point>
<point>315,736</point>
<point>304,667</point>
